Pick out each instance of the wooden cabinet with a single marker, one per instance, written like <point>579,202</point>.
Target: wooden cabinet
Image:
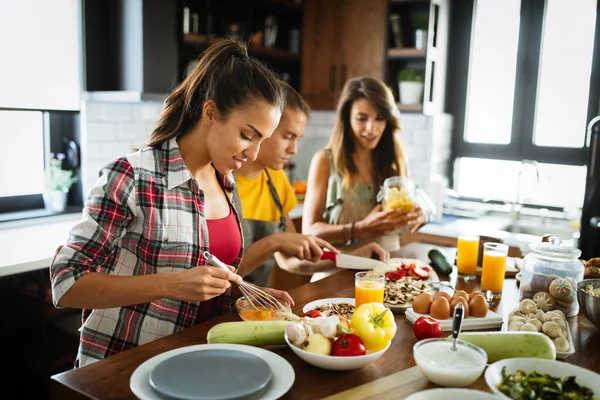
<point>341,39</point>
<point>363,38</point>
<point>320,53</point>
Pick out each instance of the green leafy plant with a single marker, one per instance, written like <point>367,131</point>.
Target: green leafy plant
<point>410,75</point>
<point>57,178</point>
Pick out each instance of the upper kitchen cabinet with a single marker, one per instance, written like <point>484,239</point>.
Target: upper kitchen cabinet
<point>272,29</point>
<point>417,41</point>
<point>130,47</point>
<point>41,54</point>
<point>341,39</point>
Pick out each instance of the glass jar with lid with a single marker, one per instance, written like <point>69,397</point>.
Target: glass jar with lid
<point>398,193</point>
<point>550,274</point>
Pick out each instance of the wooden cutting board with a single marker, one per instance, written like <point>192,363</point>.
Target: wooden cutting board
<point>396,386</point>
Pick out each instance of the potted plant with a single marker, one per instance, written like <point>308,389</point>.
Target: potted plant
<point>57,182</point>
<point>410,86</point>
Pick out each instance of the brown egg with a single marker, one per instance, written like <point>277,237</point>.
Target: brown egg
<point>444,294</point>
<point>440,308</point>
<point>478,306</point>
<point>461,293</point>
<point>474,293</point>
<point>422,303</point>
<point>460,299</point>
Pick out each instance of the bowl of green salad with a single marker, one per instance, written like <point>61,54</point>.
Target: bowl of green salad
<point>536,378</point>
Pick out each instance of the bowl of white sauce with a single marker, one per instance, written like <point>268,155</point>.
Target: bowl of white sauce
<point>446,367</point>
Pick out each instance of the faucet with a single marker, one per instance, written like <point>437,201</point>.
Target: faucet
<point>518,205</point>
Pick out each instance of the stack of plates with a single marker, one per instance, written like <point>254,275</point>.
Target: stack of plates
<point>213,372</point>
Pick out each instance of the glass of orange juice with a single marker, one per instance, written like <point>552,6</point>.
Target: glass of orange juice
<point>492,270</point>
<point>368,288</point>
<point>466,255</point>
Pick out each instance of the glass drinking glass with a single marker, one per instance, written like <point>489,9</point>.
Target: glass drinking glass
<point>493,270</point>
<point>466,255</point>
<point>368,288</point>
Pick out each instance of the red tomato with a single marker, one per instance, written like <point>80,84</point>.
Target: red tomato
<point>427,327</point>
<point>419,272</point>
<point>348,345</point>
<point>313,314</point>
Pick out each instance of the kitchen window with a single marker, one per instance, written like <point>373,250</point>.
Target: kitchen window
<point>528,96</point>
<point>32,136</point>
<point>22,181</point>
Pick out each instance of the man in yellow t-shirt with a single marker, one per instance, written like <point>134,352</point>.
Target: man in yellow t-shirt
<point>267,197</point>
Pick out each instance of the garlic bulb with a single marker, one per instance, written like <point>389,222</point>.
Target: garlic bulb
<point>326,326</point>
<point>296,333</point>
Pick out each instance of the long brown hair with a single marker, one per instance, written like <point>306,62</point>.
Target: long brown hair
<point>225,74</point>
<point>388,158</point>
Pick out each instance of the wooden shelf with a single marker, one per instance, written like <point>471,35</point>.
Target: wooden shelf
<point>275,53</point>
<point>406,53</point>
<point>204,40</point>
<point>195,38</point>
<point>291,4</point>
<point>410,107</point>
<point>408,1</point>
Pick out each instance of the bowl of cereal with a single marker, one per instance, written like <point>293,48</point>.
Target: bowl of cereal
<point>588,296</point>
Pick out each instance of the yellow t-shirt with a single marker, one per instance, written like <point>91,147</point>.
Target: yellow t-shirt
<point>257,202</point>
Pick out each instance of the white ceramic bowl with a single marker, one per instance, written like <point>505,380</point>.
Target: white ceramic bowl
<point>451,394</point>
<point>336,363</point>
<point>559,369</point>
<point>444,367</point>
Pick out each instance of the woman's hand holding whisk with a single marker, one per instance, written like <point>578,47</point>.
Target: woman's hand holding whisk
<point>279,295</point>
<point>204,282</point>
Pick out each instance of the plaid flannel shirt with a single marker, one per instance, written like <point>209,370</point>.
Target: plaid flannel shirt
<point>143,216</point>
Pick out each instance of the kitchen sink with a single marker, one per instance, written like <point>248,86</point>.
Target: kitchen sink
<point>538,227</point>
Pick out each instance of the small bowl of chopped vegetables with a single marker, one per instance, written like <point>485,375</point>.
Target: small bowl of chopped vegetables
<point>588,296</point>
<point>537,378</point>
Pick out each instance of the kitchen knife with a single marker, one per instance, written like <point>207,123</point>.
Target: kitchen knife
<point>353,262</point>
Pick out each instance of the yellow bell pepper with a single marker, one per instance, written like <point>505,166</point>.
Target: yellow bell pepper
<point>374,324</point>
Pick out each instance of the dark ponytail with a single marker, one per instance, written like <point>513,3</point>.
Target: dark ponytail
<point>225,74</point>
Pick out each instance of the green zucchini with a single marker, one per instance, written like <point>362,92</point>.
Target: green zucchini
<point>252,333</point>
<point>510,344</point>
<point>439,262</point>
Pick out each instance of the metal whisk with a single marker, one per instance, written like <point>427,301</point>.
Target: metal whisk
<point>258,298</point>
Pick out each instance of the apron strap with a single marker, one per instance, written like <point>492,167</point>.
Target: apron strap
<point>282,219</point>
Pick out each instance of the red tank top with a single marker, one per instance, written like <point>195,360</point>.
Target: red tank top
<point>225,241</point>
<point>224,238</point>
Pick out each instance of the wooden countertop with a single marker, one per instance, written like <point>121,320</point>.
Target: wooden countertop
<point>393,375</point>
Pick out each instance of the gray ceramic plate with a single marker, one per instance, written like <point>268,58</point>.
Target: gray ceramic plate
<point>211,375</point>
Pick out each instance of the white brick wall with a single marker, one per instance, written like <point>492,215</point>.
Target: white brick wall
<point>110,130</point>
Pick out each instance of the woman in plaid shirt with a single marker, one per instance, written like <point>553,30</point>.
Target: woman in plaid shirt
<point>134,262</point>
